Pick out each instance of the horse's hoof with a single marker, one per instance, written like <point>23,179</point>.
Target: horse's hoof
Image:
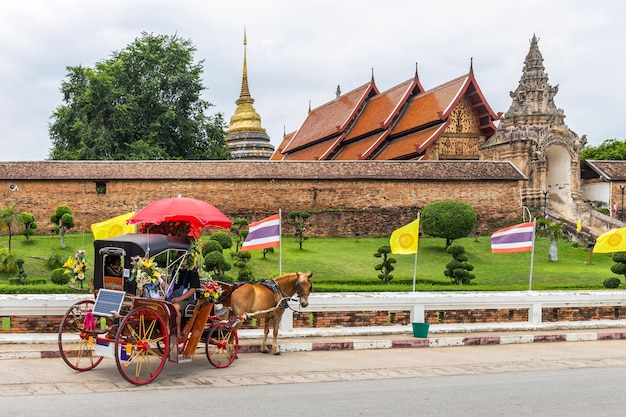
<point>265,351</point>
<point>277,353</point>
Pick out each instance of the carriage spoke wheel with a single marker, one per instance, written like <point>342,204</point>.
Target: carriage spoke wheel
<point>76,341</point>
<point>222,344</point>
<point>137,354</point>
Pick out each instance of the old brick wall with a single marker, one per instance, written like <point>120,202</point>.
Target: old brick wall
<point>338,207</point>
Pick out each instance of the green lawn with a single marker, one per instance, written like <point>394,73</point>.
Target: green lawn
<point>343,264</point>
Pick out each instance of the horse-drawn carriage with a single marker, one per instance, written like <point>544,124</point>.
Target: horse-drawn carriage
<point>141,333</point>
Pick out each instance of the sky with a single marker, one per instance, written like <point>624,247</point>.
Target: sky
<point>299,52</point>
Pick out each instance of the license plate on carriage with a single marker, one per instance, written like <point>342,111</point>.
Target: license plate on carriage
<point>106,348</point>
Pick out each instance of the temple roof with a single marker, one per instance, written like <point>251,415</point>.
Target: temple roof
<point>607,170</point>
<point>399,123</point>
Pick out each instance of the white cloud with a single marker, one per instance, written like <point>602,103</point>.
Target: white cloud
<point>299,52</point>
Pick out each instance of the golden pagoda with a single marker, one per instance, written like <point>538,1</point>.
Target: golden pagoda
<point>246,138</point>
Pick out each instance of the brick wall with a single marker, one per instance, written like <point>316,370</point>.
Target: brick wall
<point>338,207</point>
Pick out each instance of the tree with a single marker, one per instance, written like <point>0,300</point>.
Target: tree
<point>240,229</point>
<point>142,103</point>
<point>63,221</point>
<point>28,221</point>
<point>386,265</point>
<point>8,219</point>
<point>458,270</point>
<point>299,223</point>
<point>448,219</point>
<point>610,149</point>
<point>555,232</point>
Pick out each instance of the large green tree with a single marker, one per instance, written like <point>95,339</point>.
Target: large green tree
<point>142,103</point>
<point>610,149</point>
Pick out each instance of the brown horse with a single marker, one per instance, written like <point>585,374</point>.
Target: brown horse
<point>268,300</point>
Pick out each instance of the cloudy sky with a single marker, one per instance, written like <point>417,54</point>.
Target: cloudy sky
<point>299,52</point>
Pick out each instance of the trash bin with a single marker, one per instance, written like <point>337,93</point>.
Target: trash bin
<point>420,329</point>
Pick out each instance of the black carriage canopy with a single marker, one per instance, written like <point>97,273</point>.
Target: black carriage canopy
<point>130,245</point>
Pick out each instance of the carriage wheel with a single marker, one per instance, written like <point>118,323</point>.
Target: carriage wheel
<point>75,342</point>
<point>137,354</point>
<point>222,345</point>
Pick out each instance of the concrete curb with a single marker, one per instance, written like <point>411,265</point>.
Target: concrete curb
<point>44,346</point>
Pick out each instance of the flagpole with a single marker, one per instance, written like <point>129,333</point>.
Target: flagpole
<point>280,242</point>
<point>532,256</point>
<point>416,249</point>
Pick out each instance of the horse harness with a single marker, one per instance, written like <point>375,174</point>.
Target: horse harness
<point>281,298</point>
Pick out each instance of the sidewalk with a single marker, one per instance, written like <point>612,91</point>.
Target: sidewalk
<point>44,345</point>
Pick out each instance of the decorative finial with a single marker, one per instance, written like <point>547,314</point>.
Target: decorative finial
<point>372,74</point>
<point>309,106</point>
<point>338,91</point>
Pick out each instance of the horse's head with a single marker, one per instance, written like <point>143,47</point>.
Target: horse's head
<point>304,286</point>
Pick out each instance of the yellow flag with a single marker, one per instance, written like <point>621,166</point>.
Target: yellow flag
<point>404,240</point>
<point>115,226</point>
<point>611,241</point>
<point>579,225</point>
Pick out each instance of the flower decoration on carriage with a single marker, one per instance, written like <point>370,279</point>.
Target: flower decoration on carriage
<point>194,256</point>
<point>146,273</point>
<point>172,228</point>
<point>76,266</point>
<point>212,291</point>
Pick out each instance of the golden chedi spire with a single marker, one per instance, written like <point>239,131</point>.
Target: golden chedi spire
<point>246,138</point>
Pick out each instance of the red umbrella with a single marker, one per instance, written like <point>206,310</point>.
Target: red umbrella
<point>196,212</point>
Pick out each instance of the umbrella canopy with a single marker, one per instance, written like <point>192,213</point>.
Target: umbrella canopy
<point>196,212</point>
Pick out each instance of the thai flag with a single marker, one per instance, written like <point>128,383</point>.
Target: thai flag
<point>263,234</point>
<point>518,238</point>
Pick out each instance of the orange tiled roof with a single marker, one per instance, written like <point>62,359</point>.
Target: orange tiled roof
<point>410,146</point>
<point>332,118</point>
<point>364,124</point>
<point>309,153</point>
<point>277,155</point>
<point>355,150</point>
<point>380,110</point>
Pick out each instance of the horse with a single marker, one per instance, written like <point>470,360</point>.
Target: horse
<point>268,300</point>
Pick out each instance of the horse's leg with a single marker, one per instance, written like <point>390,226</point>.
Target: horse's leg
<point>266,330</point>
<point>276,321</point>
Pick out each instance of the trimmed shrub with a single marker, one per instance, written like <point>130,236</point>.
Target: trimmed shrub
<point>59,277</point>
<point>611,282</point>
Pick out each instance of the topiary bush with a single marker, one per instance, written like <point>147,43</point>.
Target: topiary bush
<point>448,219</point>
<point>223,238</point>
<point>458,270</point>
<point>59,277</point>
<point>212,246</point>
<point>611,282</point>
<point>386,265</point>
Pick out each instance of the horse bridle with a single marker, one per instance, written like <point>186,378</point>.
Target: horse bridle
<point>299,289</point>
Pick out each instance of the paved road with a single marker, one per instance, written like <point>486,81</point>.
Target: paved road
<point>37,377</point>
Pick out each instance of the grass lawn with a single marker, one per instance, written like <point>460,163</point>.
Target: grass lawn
<point>343,264</point>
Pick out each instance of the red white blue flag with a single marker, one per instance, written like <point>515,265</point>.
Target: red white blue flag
<point>263,234</point>
<point>518,238</point>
